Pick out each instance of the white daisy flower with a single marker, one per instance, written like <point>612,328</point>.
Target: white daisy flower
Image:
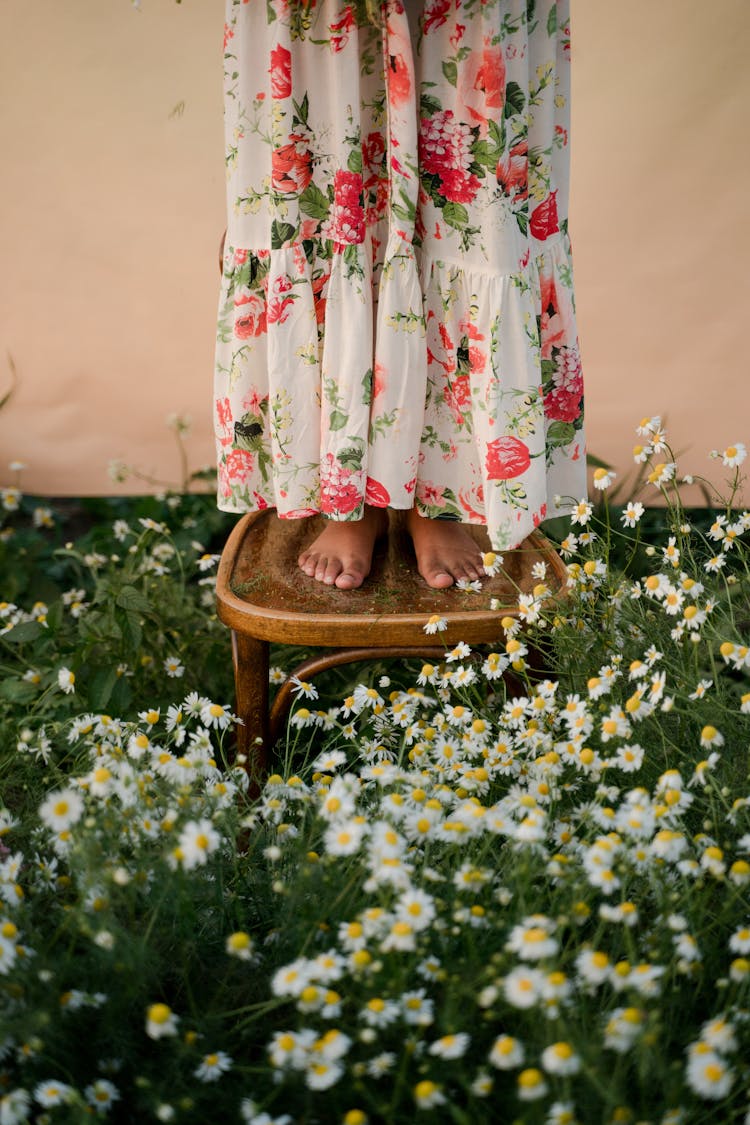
<point>62,809</point>
<point>161,1021</point>
<point>51,1093</point>
<point>197,841</point>
<point>507,1053</point>
<point>212,1066</point>
<point>66,680</point>
<point>560,1058</point>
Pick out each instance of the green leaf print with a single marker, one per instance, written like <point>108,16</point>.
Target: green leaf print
<point>560,433</point>
<point>429,105</point>
<point>456,215</point>
<point>314,202</point>
<point>351,456</point>
<point>367,387</point>
<point>405,210</point>
<point>337,420</point>
<point>450,70</point>
<point>485,153</point>
<point>301,110</point>
<point>497,134</point>
<point>354,163</point>
<point>552,20</point>
<point>281,233</point>
<point>515,99</point>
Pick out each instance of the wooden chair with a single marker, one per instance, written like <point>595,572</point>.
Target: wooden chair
<point>264,597</point>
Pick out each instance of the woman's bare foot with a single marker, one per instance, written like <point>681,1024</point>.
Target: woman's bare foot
<point>445,551</point>
<point>342,554</point>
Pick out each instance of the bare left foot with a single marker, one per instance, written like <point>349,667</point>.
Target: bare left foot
<point>445,551</point>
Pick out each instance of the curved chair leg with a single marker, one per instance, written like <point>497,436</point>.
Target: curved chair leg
<point>333,659</point>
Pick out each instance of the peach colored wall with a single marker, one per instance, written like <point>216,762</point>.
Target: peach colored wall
<point>111,205</point>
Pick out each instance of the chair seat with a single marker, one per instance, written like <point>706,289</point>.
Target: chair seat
<point>262,593</point>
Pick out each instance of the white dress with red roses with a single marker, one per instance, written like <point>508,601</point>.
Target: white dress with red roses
<point>396,322</point>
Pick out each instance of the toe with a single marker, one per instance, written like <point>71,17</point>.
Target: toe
<point>437,577</point>
<point>308,563</point>
<point>349,579</point>
<point>331,572</point>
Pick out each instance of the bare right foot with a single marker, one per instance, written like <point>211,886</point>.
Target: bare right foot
<point>341,555</point>
<point>445,551</point>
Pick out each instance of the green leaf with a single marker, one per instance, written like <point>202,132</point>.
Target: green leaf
<point>337,420</point>
<point>100,687</point>
<point>20,634</point>
<point>314,202</point>
<point>18,691</point>
<point>132,600</point>
<point>456,215</point>
<point>354,163</point>
<point>131,630</point>
<point>281,233</point>
<point>515,99</point>
<point>450,70</point>
<point>121,696</point>
<point>552,20</point>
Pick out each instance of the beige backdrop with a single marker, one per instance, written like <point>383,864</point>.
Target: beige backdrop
<point>112,204</point>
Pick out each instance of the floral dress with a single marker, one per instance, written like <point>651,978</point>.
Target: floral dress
<point>396,320</point>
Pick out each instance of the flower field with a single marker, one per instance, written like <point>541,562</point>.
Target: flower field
<point>455,901</point>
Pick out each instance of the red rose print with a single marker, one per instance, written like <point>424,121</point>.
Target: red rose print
<point>457,395</point>
<point>481,85</point>
<point>435,14</point>
<point>544,221</point>
<point>260,502</point>
<point>472,502</point>
<point>507,457</point>
<point>431,495</point>
<point>377,494</point>
<point>281,72</point>
<point>339,29</point>
<point>399,80</point>
<point>279,309</point>
<point>250,316</point>
<point>477,359</point>
<point>512,172</point>
<point>298,513</point>
<point>378,380</point>
<point>319,285</point>
<point>291,166</point>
